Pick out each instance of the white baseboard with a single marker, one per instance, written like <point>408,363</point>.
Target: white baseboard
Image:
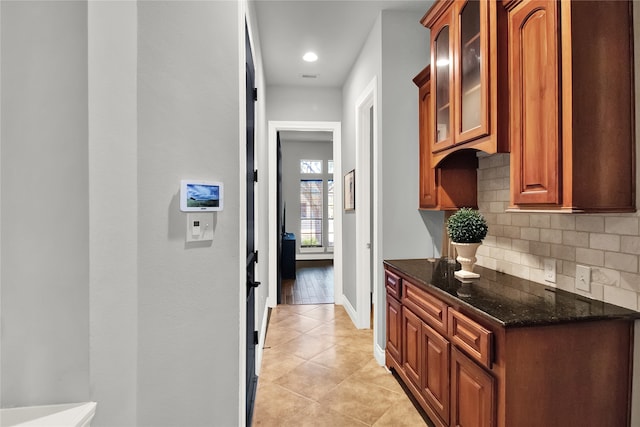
<point>263,337</point>
<point>350,310</point>
<point>379,354</point>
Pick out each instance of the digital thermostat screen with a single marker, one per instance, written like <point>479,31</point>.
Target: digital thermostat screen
<point>201,196</point>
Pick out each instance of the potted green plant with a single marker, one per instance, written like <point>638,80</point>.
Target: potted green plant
<point>466,228</point>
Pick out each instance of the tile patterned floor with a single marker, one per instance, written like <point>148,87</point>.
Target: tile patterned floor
<point>319,370</point>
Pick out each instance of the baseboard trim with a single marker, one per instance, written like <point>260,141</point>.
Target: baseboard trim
<point>379,355</point>
<point>263,337</point>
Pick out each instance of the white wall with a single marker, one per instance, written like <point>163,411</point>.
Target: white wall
<point>397,49</point>
<point>188,299</point>
<point>113,210</point>
<point>367,66</point>
<point>303,104</point>
<point>45,203</point>
<point>105,107</point>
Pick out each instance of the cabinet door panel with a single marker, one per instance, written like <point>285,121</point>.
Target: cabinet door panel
<point>435,381</point>
<point>394,328</point>
<point>472,71</point>
<point>534,77</point>
<point>411,349</point>
<point>472,393</point>
<point>428,195</point>
<point>442,78</point>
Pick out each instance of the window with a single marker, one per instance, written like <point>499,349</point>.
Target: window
<point>310,166</point>
<point>329,166</point>
<point>311,207</point>
<point>330,234</point>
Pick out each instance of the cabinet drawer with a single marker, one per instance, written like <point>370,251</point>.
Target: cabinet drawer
<point>470,337</point>
<point>430,309</point>
<point>393,283</point>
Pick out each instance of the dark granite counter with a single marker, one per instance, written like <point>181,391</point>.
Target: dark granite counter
<point>507,300</point>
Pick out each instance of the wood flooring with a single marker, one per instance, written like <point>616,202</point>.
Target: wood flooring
<point>313,284</point>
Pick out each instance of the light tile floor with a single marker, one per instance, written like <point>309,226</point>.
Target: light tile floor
<point>319,370</point>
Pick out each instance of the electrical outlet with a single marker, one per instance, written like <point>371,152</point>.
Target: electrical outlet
<point>583,278</point>
<point>550,270</point>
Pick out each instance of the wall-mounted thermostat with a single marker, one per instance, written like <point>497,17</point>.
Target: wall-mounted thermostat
<point>201,196</point>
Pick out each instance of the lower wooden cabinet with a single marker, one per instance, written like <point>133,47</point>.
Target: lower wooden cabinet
<point>467,371</point>
<point>394,329</point>
<point>472,393</point>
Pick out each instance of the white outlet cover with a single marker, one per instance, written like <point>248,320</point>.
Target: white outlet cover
<point>583,278</point>
<point>550,270</point>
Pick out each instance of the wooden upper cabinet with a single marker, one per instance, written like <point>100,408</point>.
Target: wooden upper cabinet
<point>453,183</point>
<point>533,79</point>
<point>571,105</point>
<point>468,78</point>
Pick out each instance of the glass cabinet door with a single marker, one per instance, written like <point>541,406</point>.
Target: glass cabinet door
<point>471,81</point>
<point>443,72</point>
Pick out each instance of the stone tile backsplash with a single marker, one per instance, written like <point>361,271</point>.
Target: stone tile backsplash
<point>518,242</point>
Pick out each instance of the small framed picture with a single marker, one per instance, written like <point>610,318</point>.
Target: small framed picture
<point>349,191</point>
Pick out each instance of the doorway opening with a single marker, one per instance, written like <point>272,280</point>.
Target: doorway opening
<point>309,239</point>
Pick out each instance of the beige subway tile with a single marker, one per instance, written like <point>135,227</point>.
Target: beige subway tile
<point>518,244</point>
<point>537,275</point>
<point>483,162</point>
<point>565,283</point>
<point>497,207</point>
<point>521,219</point>
<point>504,243</point>
<point>597,292</point>
<point>563,252</point>
<point>528,233</point>
<point>540,220</point>
<point>568,268</point>
<point>541,249</point>
<point>486,196</point>
<point>563,222</point>
<point>512,256</point>
<point>502,171</point>
<point>575,238</point>
<point>496,253</point>
<point>491,218</point>
<point>483,250</point>
<point>497,230</point>
<point>590,256</point>
<point>490,240</point>
<point>503,195</point>
<point>621,225</point>
<point>605,276</point>
<point>503,218</point>
<point>489,263</point>
<point>620,261</point>
<point>521,271</point>
<point>630,244</point>
<point>630,281</point>
<point>590,223</point>
<point>511,232</point>
<point>621,297</point>
<point>608,242</point>
<point>550,236</point>
<point>530,260</point>
<point>505,183</point>
<point>503,266</point>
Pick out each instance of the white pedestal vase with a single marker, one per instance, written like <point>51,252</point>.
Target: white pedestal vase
<point>466,258</point>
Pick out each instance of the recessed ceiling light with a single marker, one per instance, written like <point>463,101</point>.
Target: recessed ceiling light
<point>310,57</point>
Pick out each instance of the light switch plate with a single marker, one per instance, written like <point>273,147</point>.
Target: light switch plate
<point>203,232</point>
<point>550,270</point>
<point>583,278</point>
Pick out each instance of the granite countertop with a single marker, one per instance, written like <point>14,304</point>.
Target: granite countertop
<point>507,300</point>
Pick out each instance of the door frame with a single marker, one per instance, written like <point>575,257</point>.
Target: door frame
<point>304,126</point>
<point>366,240</point>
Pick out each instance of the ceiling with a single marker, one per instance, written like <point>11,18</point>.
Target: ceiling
<point>335,30</point>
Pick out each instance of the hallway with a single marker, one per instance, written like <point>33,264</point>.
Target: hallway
<point>318,370</point>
